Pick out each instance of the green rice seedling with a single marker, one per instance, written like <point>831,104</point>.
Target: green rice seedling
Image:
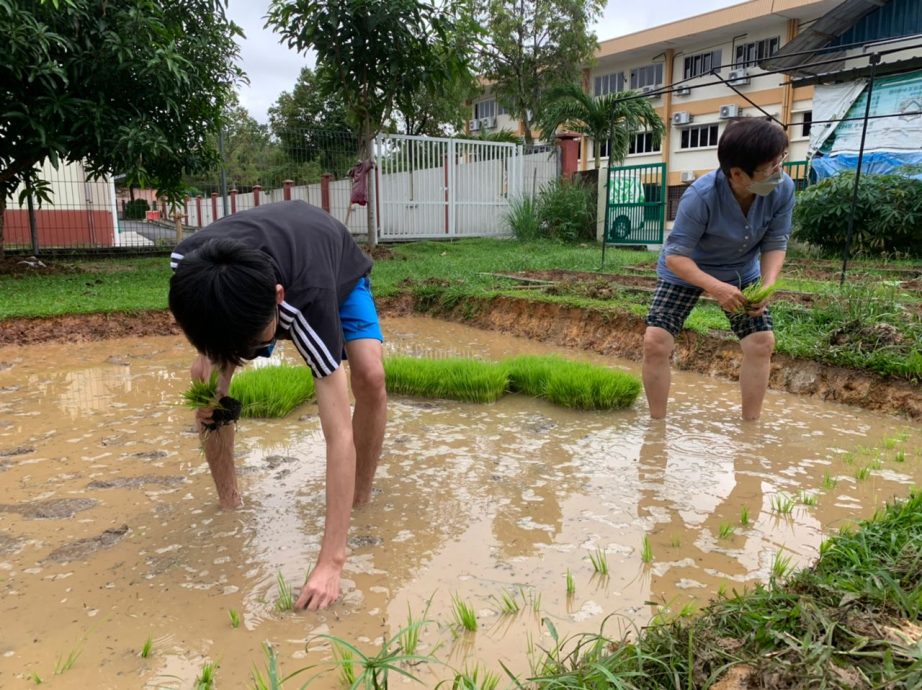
<point>863,473</point>
<point>234,616</point>
<point>783,505</point>
<point>744,516</point>
<point>67,663</point>
<point>599,561</point>
<point>473,679</point>
<point>273,679</point>
<point>726,530</point>
<point>409,635</point>
<point>272,391</point>
<point>464,614</point>
<point>202,393</point>
<point>35,678</point>
<point>675,543</point>
<point>577,385</point>
<point>467,380</point>
<point>528,374</point>
<point>571,585</point>
<point>285,600</point>
<point>646,550</point>
<point>829,482</point>
<point>756,293</point>
<point>536,602</point>
<point>508,603</point>
<point>345,659</point>
<point>205,679</point>
<point>807,499</point>
<point>147,648</point>
<point>900,456</point>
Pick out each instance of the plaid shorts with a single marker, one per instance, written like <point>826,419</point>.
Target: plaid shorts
<point>673,303</point>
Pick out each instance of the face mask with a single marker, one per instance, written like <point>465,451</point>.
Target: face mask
<point>264,351</point>
<point>766,186</point>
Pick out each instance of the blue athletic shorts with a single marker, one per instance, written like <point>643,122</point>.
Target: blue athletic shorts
<point>358,315</point>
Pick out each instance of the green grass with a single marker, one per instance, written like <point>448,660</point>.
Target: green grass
<point>272,391</point>
<point>577,385</point>
<point>234,616</point>
<point>455,378</point>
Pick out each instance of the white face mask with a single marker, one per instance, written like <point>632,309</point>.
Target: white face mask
<point>766,186</point>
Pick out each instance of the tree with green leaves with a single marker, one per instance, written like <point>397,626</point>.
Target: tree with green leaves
<point>614,117</point>
<point>374,54</point>
<point>127,87</point>
<point>531,46</point>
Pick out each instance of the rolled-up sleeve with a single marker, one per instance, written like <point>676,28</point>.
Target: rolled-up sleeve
<point>690,223</point>
<point>779,228</point>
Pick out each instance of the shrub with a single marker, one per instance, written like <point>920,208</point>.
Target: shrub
<point>134,209</point>
<point>567,211</point>
<point>522,218</point>
<point>888,215</point>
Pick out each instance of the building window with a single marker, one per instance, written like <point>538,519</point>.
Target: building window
<point>673,195</point>
<point>649,75</point>
<point>806,123</point>
<point>609,83</point>
<point>702,63</point>
<point>750,53</point>
<point>604,148</point>
<point>699,137</point>
<point>642,142</point>
<point>488,109</point>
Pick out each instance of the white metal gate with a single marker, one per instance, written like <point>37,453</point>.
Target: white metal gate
<point>432,188</point>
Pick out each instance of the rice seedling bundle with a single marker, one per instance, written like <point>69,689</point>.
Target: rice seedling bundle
<point>571,384</point>
<point>272,391</point>
<point>467,380</point>
<point>756,293</point>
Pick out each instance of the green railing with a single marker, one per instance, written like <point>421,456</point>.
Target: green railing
<point>636,208</point>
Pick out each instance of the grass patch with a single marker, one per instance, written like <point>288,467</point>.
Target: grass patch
<point>272,391</point>
<point>455,378</point>
<point>576,385</point>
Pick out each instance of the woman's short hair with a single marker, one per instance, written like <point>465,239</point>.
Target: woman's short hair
<point>749,143</point>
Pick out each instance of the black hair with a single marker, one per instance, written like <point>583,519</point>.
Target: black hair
<point>222,295</point>
<point>749,143</point>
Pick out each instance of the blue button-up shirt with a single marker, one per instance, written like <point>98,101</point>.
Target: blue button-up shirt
<point>712,231</point>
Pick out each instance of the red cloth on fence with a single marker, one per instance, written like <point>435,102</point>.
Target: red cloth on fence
<point>359,175</point>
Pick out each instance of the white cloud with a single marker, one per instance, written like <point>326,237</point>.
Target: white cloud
<point>273,68</point>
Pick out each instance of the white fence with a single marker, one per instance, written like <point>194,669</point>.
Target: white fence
<point>425,188</point>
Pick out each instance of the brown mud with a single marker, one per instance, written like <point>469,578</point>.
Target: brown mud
<point>597,330</point>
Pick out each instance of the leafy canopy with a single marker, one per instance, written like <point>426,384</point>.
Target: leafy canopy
<point>531,46</point>
<point>130,87</point>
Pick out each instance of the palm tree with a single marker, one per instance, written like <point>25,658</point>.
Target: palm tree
<point>616,117</point>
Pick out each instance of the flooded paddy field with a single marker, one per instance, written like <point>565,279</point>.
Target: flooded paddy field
<point>110,533</point>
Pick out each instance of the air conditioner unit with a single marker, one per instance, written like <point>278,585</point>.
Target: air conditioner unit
<point>650,90</point>
<point>688,176</point>
<point>729,110</point>
<point>738,77</point>
<point>474,125</point>
<point>682,91</point>
<point>682,117</point>
<point>488,122</point>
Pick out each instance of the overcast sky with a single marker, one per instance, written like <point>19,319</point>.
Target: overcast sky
<point>272,68</point>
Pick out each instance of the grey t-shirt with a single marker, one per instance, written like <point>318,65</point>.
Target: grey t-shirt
<point>317,262</point>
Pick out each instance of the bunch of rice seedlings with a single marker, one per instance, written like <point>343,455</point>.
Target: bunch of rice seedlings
<point>577,385</point>
<point>467,380</point>
<point>272,391</point>
<point>202,393</point>
<point>756,293</point>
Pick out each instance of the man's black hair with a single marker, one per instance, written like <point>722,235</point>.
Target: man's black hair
<point>750,143</point>
<point>222,295</point>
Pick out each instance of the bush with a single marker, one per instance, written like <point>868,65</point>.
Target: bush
<point>134,210</point>
<point>522,218</point>
<point>888,215</point>
<point>567,211</point>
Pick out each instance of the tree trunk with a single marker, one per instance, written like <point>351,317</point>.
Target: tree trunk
<point>369,145</point>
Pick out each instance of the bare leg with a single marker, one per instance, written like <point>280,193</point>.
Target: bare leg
<point>754,371</point>
<point>370,415</point>
<point>658,344</point>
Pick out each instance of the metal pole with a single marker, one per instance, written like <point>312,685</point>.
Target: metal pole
<point>33,228</point>
<point>223,172</point>
<point>874,61</point>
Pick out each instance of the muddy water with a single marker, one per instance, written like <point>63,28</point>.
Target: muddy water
<point>109,532</point>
